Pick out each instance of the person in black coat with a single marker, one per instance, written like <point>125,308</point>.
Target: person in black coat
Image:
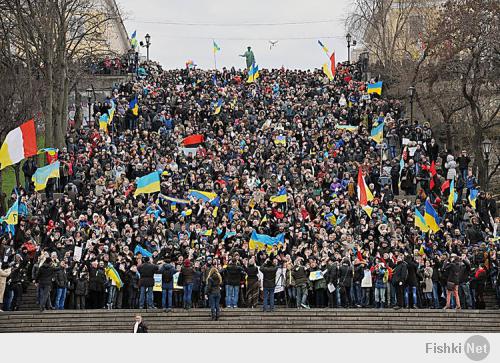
<point>269,269</point>
<point>44,278</point>
<point>233,274</point>
<point>346,273</point>
<point>411,282</point>
<point>399,276</point>
<point>147,271</point>
<point>61,279</point>
<point>97,286</point>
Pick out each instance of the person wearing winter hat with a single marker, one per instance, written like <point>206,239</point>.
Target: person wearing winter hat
<point>187,280</point>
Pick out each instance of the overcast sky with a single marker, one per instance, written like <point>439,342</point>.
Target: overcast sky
<point>172,44</point>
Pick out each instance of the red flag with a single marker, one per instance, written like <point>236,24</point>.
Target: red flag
<point>364,193</point>
<point>433,172</point>
<point>445,186</point>
<point>193,140</point>
<point>332,65</point>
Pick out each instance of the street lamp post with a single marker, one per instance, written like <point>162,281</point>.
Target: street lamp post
<point>148,43</point>
<point>348,38</point>
<point>89,103</point>
<point>486,144</point>
<point>411,94</point>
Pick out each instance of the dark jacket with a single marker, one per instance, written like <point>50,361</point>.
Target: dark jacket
<point>299,275</point>
<point>167,273</point>
<point>197,275</point>
<point>400,273</point>
<point>252,274</point>
<point>147,271</point>
<point>332,274</point>
<point>233,274</point>
<point>269,275</point>
<point>61,278</point>
<point>213,285</point>
<point>452,271</point>
<point>345,275</point>
<point>81,287</point>
<point>142,328</point>
<point>97,279</point>
<point>45,274</point>
<point>187,275</point>
<point>412,267</point>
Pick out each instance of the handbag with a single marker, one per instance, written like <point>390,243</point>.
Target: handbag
<point>450,286</point>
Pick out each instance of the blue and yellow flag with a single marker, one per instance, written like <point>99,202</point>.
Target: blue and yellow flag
<point>42,175</point>
<point>431,217</point>
<point>473,197</point>
<point>148,184</point>
<point>216,47</point>
<point>139,249</point>
<point>377,133</point>
<point>218,106</point>
<point>325,49</point>
<point>206,233</point>
<point>346,127</point>
<point>263,241</point>
<point>420,221</point>
<point>174,200</point>
<point>253,73</point>
<point>375,88</point>
<point>12,215</point>
<point>103,122</point>
<point>113,275</point>
<point>134,106</point>
<point>200,194</point>
<point>133,39</point>
<point>281,197</point>
<point>280,140</point>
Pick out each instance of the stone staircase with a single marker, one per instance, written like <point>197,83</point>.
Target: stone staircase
<point>253,321</point>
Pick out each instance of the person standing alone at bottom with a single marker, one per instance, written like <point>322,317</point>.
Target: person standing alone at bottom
<point>139,326</point>
<point>269,270</point>
<point>212,291</point>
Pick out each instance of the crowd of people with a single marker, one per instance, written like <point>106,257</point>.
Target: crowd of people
<point>292,133</point>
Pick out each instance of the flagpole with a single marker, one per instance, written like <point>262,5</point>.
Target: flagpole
<point>215,55</point>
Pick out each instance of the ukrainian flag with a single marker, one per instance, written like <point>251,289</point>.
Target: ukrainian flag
<point>218,107</point>
<point>134,106</point>
<point>281,197</point>
<point>148,184</point>
<point>420,221</point>
<point>375,88</point>
<point>174,200</point>
<point>280,140</point>
<point>103,122</point>
<point>12,215</point>
<point>216,47</point>
<point>111,112</point>
<point>207,233</point>
<point>200,194</point>
<point>253,73</point>
<point>263,241</point>
<point>452,198</point>
<point>377,133</point>
<point>325,49</point>
<point>138,249</point>
<point>113,275</point>
<point>431,217</point>
<point>216,203</point>
<point>42,175</point>
<point>133,39</point>
<point>473,197</point>
<point>346,127</point>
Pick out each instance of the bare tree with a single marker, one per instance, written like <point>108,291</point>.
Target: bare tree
<point>56,38</point>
